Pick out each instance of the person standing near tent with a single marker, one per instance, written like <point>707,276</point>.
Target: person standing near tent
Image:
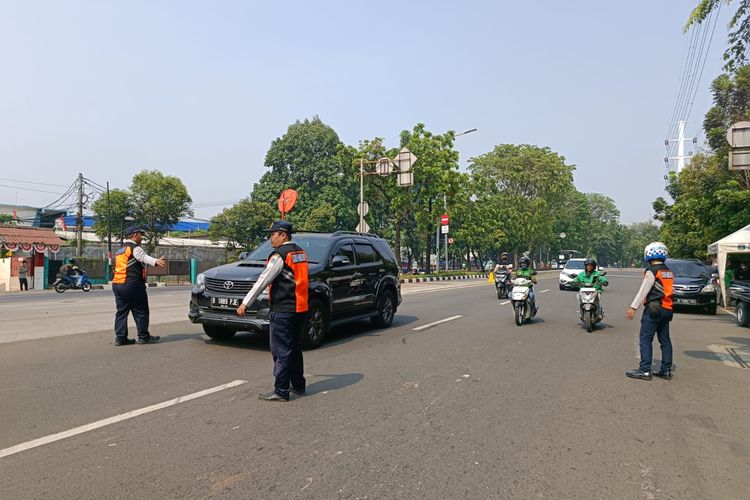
<point>22,280</point>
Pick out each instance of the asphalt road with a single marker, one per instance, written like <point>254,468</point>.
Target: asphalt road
<point>473,407</point>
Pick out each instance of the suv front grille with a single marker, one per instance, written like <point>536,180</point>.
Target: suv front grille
<point>228,286</point>
<point>687,288</point>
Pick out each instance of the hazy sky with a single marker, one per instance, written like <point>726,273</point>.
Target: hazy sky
<point>200,89</point>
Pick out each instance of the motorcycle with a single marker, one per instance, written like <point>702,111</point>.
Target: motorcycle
<point>503,284</point>
<point>76,282</point>
<point>523,309</point>
<point>590,306</point>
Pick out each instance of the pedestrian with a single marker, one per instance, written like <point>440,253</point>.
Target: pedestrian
<point>656,296</point>
<point>286,277</point>
<point>22,280</point>
<point>129,287</point>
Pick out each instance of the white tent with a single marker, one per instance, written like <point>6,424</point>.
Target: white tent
<point>737,242</point>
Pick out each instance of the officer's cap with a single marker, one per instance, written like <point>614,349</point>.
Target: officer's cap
<point>281,225</point>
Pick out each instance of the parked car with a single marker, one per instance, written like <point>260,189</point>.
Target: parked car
<point>572,268</point>
<point>352,276</point>
<point>739,298</point>
<point>695,286</point>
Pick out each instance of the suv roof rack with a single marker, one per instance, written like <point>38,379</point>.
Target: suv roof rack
<point>370,235</point>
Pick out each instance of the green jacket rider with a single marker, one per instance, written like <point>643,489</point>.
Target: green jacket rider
<point>591,277</point>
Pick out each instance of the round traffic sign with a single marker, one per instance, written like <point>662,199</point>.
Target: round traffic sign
<point>562,235</point>
<point>363,208</point>
<point>451,241</point>
<point>444,219</point>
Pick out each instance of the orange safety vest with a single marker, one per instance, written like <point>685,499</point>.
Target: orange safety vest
<point>288,292</point>
<point>663,286</point>
<point>127,268</point>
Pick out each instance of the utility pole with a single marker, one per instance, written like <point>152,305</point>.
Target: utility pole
<point>445,209</point>
<point>109,235</point>
<point>79,218</point>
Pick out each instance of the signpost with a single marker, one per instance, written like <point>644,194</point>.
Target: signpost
<point>400,165</point>
<point>286,201</point>
<point>738,137</point>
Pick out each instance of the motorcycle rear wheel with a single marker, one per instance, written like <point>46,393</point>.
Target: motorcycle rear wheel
<point>86,287</point>
<point>59,287</point>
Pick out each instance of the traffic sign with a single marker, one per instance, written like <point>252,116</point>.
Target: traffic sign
<point>363,208</point>
<point>405,179</point>
<point>444,229</point>
<point>444,219</point>
<point>362,227</point>
<point>451,241</point>
<point>404,160</point>
<point>384,166</point>
<point>287,200</point>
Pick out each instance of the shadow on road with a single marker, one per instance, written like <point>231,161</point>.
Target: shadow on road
<point>333,382</point>
<point>179,337</point>
<point>735,342</point>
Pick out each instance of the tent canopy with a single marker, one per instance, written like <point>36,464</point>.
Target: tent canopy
<point>737,242</point>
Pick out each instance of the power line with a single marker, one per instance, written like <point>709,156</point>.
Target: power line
<point>28,189</point>
<point>31,182</point>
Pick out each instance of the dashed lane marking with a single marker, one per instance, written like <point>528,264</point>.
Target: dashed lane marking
<point>428,325</point>
<point>112,420</point>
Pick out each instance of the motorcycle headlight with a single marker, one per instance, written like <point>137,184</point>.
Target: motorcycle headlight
<point>709,289</point>
<point>200,281</point>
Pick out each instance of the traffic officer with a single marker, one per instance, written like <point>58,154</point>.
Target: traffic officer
<point>656,296</point>
<point>129,287</point>
<point>286,277</point>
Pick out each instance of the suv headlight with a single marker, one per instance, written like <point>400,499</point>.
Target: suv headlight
<point>200,281</point>
<point>709,289</point>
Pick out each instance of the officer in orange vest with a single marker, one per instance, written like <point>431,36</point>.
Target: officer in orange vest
<point>286,276</point>
<point>656,296</point>
<point>129,287</point>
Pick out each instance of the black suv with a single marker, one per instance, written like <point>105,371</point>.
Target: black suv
<point>694,285</point>
<point>353,276</point>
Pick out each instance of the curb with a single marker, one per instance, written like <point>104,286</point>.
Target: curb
<point>443,278</point>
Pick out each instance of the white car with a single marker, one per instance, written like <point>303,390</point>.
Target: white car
<point>568,274</point>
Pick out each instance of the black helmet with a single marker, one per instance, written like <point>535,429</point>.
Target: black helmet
<point>524,262</point>
<point>504,256</point>
<point>73,260</point>
<point>589,261</point>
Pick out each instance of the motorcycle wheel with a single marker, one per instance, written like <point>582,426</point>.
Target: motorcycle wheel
<point>86,287</point>
<point>519,314</point>
<point>59,287</point>
<point>500,292</point>
<point>588,321</point>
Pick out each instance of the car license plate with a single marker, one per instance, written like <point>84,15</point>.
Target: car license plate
<point>225,302</point>
<point>687,302</point>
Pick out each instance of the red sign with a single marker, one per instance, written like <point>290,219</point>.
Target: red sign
<point>287,200</point>
<point>444,219</point>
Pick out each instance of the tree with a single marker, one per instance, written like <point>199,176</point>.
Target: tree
<point>528,186</point>
<point>243,224</point>
<point>739,29</point>
<point>604,234</point>
<point>111,215</point>
<point>635,238</point>
<point>311,159</point>
<point>158,202</point>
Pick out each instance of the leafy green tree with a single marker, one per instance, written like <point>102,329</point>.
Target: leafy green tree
<point>528,186</point>
<point>111,215</point>
<point>635,238</point>
<point>158,202</point>
<point>739,29</point>
<point>311,159</point>
<point>243,223</point>
<point>321,218</point>
<point>604,234</point>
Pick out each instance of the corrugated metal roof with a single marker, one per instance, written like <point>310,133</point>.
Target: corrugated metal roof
<point>26,235</point>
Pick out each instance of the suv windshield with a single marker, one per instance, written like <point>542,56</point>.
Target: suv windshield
<point>687,269</point>
<point>315,246</point>
<point>574,264</point>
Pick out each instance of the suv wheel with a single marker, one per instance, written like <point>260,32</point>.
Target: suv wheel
<point>218,332</point>
<point>316,326</point>
<point>386,310</point>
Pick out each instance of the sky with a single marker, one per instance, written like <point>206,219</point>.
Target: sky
<point>199,89</point>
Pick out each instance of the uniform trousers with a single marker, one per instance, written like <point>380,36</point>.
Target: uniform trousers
<point>131,297</point>
<point>655,323</point>
<point>288,367</point>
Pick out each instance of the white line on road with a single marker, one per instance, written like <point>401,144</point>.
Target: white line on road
<point>112,420</point>
<point>436,323</point>
<point>542,291</point>
<point>440,288</point>
<point>506,302</point>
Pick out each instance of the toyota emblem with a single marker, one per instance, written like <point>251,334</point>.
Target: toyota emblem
<point>228,285</point>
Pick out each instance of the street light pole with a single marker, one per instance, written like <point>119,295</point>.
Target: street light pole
<point>109,235</point>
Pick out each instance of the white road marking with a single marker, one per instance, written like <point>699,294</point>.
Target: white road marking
<point>112,420</point>
<point>542,291</point>
<point>506,302</point>
<point>440,288</point>
<point>428,325</point>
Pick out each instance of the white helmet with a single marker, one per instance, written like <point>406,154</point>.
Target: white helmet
<point>655,251</point>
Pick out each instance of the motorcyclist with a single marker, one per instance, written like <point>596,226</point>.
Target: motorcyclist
<point>70,272</point>
<point>591,277</point>
<point>524,271</point>
<point>502,271</point>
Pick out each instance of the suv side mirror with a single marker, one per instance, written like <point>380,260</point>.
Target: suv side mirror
<point>243,255</point>
<point>340,260</point>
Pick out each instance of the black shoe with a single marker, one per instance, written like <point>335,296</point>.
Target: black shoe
<point>298,392</point>
<point>124,341</point>
<point>151,339</point>
<point>273,396</point>
<point>638,374</point>
<point>665,374</point>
